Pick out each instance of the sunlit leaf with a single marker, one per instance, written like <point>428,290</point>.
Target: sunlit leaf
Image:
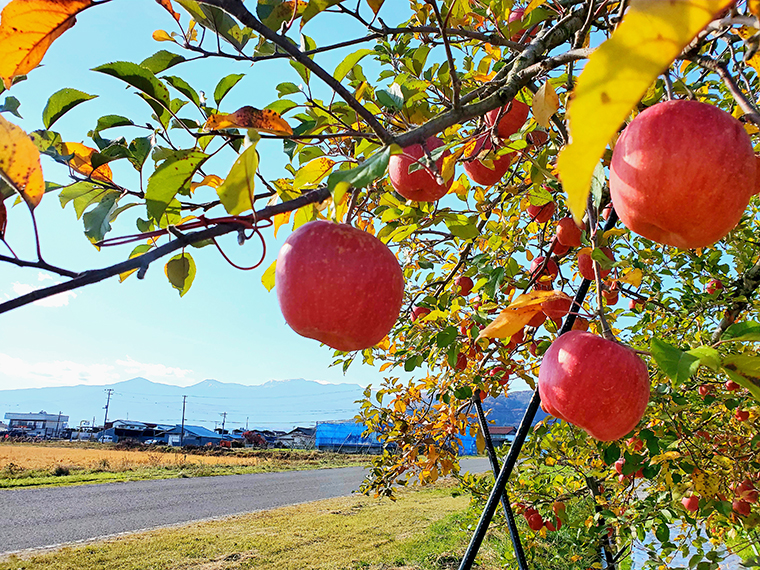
<point>28,28</point>
<point>349,62</point>
<point>211,180</point>
<point>361,176</point>
<point>247,117</point>
<point>315,7</point>
<point>225,85</point>
<point>161,60</point>
<point>545,104</point>
<point>156,94</point>
<point>218,21</point>
<point>519,313</point>
<point>375,5</point>
<point>20,163</point>
<point>81,161</point>
<point>652,34</point>
<point>97,222</point>
<point>274,13</point>
<point>745,371</point>
<point>167,4</point>
<point>313,172</point>
<point>236,192</point>
<point>171,176</point>
<point>632,277</point>
<point>180,270</point>
<point>746,331</point>
<point>707,355</point>
<point>677,365</point>
<point>267,279</point>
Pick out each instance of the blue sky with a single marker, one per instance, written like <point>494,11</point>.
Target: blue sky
<point>227,327</point>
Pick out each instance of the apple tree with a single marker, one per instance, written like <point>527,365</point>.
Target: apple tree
<point>524,170</point>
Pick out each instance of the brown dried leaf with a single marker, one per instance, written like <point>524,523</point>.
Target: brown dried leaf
<point>519,313</point>
<point>3,219</point>
<point>249,117</point>
<point>28,28</point>
<point>20,163</point>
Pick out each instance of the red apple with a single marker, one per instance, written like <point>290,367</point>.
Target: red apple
<point>556,309</point>
<point>731,386</point>
<point>619,466</point>
<point>550,526</point>
<point>691,504</point>
<point>535,522</point>
<point>419,312</point>
<point>586,264</point>
<point>529,512</point>
<point>542,213</point>
<point>714,286</point>
<point>568,233</point>
<point>741,507</point>
<point>464,284</point>
<point>533,349</point>
<point>338,285</point>
<point>636,444</point>
<point>682,173</point>
<point>537,320</point>
<point>420,185</point>
<point>746,491</point>
<point>513,116</point>
<point>549,273</point>
<point>559,507</point>
<point>637,304</point>
<point>705,389</point>
<point>595,384</point>
<point>611,297</point>
<point>741,415</point>
<point>482,174</point>
<point>559,250</point>
<point>516,339</point>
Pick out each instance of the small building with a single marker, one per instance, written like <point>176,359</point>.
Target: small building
<point>345,437</point>
<point>298,438</point>
<point>120,430</point>
<point>502,434</point>
<point>193,435</point>
<point>37,425</point>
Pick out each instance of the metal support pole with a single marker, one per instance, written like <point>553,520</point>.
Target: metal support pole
<point>514,451</point>
<point>522,564</point>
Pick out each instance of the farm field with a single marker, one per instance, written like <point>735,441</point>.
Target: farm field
<point>35,465</point>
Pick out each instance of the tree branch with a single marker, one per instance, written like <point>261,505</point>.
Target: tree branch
<point>39,265</point>
<point>236,9</point>
<point>744,287</point>
<point>143,261</point>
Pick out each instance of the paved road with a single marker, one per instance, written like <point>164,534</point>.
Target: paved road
<point>40,518</point>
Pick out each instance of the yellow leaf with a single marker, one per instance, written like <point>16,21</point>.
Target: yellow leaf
<point>268,278</point>
<point>449,162</point>
<point>81,161</point>
<point>20,163</point>
<point>545,104</point>
<point>313,172</point>
<point>754,7</point>
<point>745,33</point>
<point>236,192</point>
<point>249,117</point>
<point>632,277</point>
<point>28,27</point>
<point>652,34</point>
<point>162,36</point>
<point>211,180</point>
<point>532,6</point>
<point>279,220</point>
<point>519,313</point>
<point>386,366</point>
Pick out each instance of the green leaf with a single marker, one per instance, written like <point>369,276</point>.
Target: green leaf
<point>361,176</point>
<point>611,454</point>
<point>237,189</point>
<point>747,331</point>
<point>97,221</point>
<point>315,7</point>
<point>161,60</point>
<point>138,77</point>
<point>61,102</point>
<point>538,196</point>
<point>83,194</point>
<point>707,355</point>
<point>218,21</point>
<point>463,228</point>
<point>11,105</point>
<point>224,86</point>
<point>180,270</point>
<point>172,175</point>
<point>274,13</point>
<point>281,106</point>
<point>267,279</point>
<point>675,363</point>
<point>183,87</point>
<point>390,99</point>
<point>446,337</point>
<point>287,88</point>
<point>139,150</point>
<point>110,121</point>
<point>349,62</point>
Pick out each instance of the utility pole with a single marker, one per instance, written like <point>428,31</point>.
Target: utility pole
<point>182,433</point>
<point>109,391</point>
<point>246,423</point>
<point>224,419</point>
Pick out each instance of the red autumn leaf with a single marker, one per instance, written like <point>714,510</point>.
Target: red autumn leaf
<point>169,8</point>
<point>27,29</point>
<point>3,219</point>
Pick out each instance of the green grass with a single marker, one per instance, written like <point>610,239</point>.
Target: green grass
<point>420,531</point>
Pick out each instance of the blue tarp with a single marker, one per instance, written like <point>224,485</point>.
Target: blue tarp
<point>344,436</point>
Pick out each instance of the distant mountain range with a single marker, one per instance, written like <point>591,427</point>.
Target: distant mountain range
<point>278,404</point>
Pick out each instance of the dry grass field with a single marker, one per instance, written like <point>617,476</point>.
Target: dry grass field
<point>62,463</point>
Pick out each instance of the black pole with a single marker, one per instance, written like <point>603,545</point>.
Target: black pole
<point>522,564</point>
<point>514,451</point>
